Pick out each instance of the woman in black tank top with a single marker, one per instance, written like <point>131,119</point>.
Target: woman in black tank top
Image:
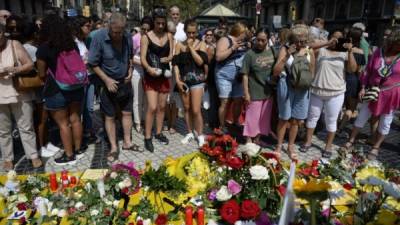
<point>155,55</point>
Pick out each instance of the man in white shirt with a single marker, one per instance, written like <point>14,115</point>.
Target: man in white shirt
<point>175,15</point>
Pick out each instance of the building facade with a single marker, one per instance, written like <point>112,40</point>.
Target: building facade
<point>376,14</point>
<point>28,8</point>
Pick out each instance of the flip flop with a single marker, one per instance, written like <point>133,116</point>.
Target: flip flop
<point>113,156</point>
<point>326,154</point>
<point>304,148</point>
<point>134,148</point>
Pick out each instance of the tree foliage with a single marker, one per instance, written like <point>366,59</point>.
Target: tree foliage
<point>188,8</point>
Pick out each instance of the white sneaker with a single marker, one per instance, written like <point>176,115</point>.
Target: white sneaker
<point>202,140</point>
<point>188,138</point>
<point>52,147</point>
<point>46,153</point>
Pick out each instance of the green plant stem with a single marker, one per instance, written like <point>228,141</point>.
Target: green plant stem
<point>270,168</point>
<point>313,207</point>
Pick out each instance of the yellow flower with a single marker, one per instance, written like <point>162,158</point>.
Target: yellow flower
<point>311,186</point>
<point>171,163</point>
<point>386,217</point>
<point>370,172</point>
<point>313,189</point>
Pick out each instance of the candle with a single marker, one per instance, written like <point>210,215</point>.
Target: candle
<point>64,178</point>
<point>189,215</point>
<point>53,182</point>
<point>200,216</point>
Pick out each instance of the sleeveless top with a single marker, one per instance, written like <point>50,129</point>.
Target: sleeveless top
<point>235,55</point>
<point>154,54</point>
<point>8,94</point>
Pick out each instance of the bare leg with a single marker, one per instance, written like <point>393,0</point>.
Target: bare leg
<point>152,100</point>
<point>111,133</point>
<point>76,124</point>
<point>162,101</point>
<point>61,118</point>
<point>222,111</point>
<point>127,127</point>
<point>185,97</point>
<point>196,96</point>
<point>281,131</point>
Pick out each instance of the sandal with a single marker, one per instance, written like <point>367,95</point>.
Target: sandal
<point>8,165</point>
<point>326,154</point>
<point>36,163</point>
<point>373,154</point>
<point>112,156</point>
<point>304,148</point>
<point>133,147</point>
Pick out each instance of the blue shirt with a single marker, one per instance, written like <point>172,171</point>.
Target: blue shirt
<point>114,63</point>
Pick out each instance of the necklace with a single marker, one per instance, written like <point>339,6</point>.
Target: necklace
<point>386,69</point>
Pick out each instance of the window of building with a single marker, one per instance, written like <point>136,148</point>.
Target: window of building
<point>341,10</point>
<point>33,6</point>
<point>374,9</point>
<point>356,8</point>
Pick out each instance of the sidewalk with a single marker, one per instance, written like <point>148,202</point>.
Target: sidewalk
<point>96,156</point>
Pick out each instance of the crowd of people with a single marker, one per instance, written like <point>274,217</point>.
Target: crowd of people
<point>269,84</point>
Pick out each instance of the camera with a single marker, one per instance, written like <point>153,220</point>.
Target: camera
<point>340,43</point>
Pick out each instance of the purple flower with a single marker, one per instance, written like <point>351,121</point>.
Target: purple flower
<point>212,195</point>
<point>326,212</point>
<point>263,219</point>
<point>233,187</point>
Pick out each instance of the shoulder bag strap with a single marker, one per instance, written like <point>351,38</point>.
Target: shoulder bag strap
<point>15,59</point>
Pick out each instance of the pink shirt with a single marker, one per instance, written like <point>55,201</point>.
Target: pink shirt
<point>136,44</point>
<point>388,100</point>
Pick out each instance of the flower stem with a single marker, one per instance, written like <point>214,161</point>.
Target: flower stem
<point>313,205</point>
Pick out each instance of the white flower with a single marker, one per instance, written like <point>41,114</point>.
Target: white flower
<point>220,170</point>
<point>120,185</point>
<point>108,202</point>
<point>54,212</point>
<point>147,222</point>
<point>273,162</point>
<point>11,175</point>
<point>22,198</point>
<point>146,188</point>
<point>78,205</point>
<point>113,175</point>
<point>239,222</point>
<point>212,222</point>
<point>77,195</point>
<point>392,189</point>
<point>245,222</point>
<point>35,191</point>
<point>258,172</point>
<point>116,203</point>
<point>62,213</point>
<point>223,194</point>
<point>127,182</point>
<point>94,212</point>
<point>4,192</point>
<point>251,149</point>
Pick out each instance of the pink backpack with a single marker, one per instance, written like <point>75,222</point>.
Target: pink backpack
<point>71,71</point>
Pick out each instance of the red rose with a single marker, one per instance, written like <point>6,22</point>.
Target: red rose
<point>235,162</point>
<point>107,212</point>
<point>230,211</point>
<point>125,214</point>
<point>347,186</point>
<point>281,190</point>
<point>71,210</point>
<point>125,190</point>
<point>22,220</point>
<point>314,163</point>
<point>131,223</point>
<point>249,209</point>
<point>139,222</point>
<point>22,207</point>
<point>162,219</point>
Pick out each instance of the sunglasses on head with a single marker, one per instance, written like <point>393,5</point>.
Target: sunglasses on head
<point>160,11</point>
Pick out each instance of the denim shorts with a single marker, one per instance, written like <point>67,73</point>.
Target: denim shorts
<point>292,104</point>
<point>228,85</point>
<point>62,99</point>
<point>196,86</point>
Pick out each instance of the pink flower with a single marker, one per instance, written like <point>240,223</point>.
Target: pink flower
<point>233,187</point>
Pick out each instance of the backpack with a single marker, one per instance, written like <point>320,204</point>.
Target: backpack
<point>300,74</point>
<point>71,73</point>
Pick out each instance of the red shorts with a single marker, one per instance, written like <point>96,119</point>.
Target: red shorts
<point>161,85</point>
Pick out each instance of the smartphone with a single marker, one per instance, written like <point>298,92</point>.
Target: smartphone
<point>341,42</point>
<point>185,88</point>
